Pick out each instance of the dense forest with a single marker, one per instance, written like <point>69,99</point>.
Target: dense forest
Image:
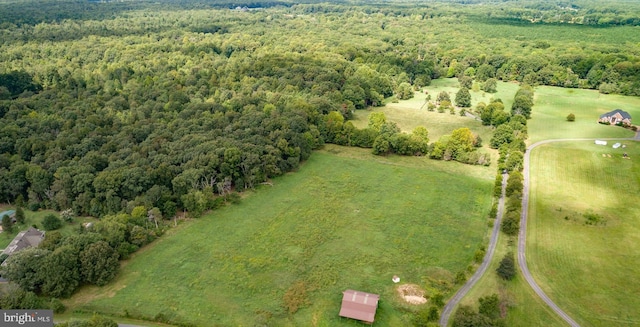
<point>108,106</point>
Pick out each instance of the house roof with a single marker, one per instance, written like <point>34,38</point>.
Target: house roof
<point>359,305</point>
<point>622,113</point>
<point>29,238</point>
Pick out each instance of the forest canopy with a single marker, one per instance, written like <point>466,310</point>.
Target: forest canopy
<point>108,106</point>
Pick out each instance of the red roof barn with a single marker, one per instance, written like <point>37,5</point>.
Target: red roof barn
<point>359,305</point>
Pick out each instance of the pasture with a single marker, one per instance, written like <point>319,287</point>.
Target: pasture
<point>553,104</point>
<point>346,219</point>
<point>584,228</point>
<point>411,113</point>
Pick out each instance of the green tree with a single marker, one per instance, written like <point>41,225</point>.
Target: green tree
<point>51,222</point>
<point>490,85</point>
<point>98,263</point>
<point>7,225</point>
<point>376,120</point>
<point>489,306</point>
<point>507,268</point>
<point>443,96</point>
<point>571,117</point>
<point>20,215</point>
<point>25,268</point>
<point>405,91</point>
<point>463,98</point>
<point>465,82</point>
<point>62,273</point>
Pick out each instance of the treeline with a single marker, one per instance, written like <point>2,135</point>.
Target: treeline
<point>61,264</point>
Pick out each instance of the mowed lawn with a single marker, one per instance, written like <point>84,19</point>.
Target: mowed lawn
<point>590,271</point>
<point>552,105</point>
<point>345,220</point>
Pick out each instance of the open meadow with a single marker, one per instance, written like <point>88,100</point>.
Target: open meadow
<point>584,228</point>
<point>411,113</point>
<point>345,220</point>
<point>554,104</point>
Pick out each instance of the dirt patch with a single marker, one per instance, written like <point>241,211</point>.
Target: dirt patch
<point>412,293</point>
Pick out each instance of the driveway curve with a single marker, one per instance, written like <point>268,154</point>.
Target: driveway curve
<point>522,237</point>
<point>455,300</point>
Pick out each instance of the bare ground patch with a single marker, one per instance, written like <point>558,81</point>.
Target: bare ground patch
<point>412,293</point>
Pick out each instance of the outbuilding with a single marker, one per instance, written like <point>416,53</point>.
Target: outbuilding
<point>359,305</point>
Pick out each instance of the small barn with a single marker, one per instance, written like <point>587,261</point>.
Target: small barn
<point>617,116</point>
<point>359,305</point>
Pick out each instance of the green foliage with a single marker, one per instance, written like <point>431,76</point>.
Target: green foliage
<point>463,98</point>
<point>490,85</point>
<point>426,316</point>
<point>51,222</point>
<point>571,117</point>
<point>15,297</point>
<point>490,306</point>
<point>7,224</point>
<point>98,263</point>
<point>20,215</point>
<point>511,223</point>
<point>404,91</point>
<point>523,101</point>
<point>514,183</point>
<point>506,270</point>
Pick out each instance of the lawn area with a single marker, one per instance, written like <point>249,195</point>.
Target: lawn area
<point>553,104</point>
<point>589,270</point>
<point>35,218</point>
<point>346,219</point>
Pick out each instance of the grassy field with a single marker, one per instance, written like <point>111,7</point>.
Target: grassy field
<point>410,113</point>
<point>590,270</point>
<point>553,104</point>
<point>549,121</point>
<point>346,219</point>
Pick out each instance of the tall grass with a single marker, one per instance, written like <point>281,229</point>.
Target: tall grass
<point>338,223</point>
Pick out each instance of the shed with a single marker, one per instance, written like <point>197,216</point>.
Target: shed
<point>359,305</point>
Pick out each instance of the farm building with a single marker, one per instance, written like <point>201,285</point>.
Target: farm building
<point>29,238</point>
<point>615,117</point>
<point>359,305</point>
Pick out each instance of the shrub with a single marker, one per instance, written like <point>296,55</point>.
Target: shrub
<point>51,222</point>
<point>507,268</point>
<point>571,117</point>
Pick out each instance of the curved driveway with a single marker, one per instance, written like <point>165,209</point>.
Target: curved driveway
<point>453,302</point>
<point>522,262</point>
